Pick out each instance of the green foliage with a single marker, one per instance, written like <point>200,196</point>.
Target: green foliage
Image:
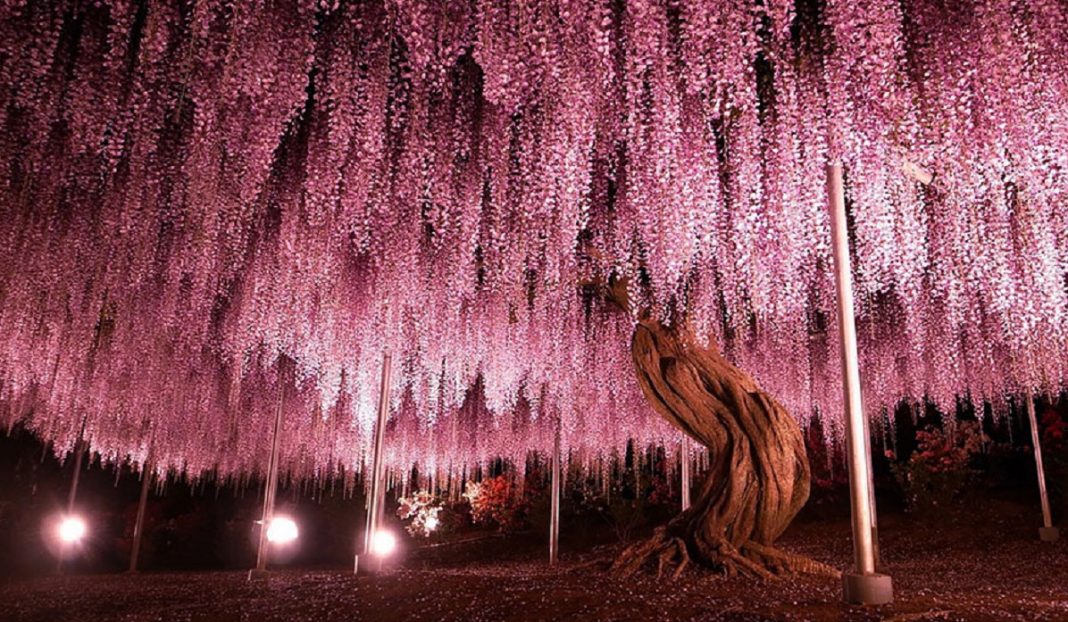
<point>633,504</point>
<point>1054,428</point>
<point>940,470</point>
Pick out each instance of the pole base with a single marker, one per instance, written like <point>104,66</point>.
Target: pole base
<point>867,589</point>
<point>258,574</point>
<point>1049,534</point>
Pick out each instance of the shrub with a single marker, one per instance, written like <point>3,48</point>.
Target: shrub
<point>1054,429</point>
<point>499,501</point>
<point>424,511</point>
<point>633,505</point>
<point>940,468</point>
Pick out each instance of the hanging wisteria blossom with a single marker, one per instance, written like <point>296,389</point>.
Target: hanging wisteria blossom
<point>208,206</point>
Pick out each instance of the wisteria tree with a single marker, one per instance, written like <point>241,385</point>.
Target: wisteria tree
<point>759,474</point>
<point>219,185</point>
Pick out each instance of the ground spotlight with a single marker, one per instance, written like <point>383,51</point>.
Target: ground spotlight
<point>71,529</point>
<point>281,530</point>
<point>383,543</point>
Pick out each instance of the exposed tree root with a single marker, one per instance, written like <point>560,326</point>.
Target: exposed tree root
<point>751,559</point>
<point>783,562</point>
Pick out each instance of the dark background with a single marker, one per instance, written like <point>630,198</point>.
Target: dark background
<point>208,525</point>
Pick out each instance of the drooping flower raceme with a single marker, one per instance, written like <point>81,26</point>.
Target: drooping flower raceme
<point>211,208</point>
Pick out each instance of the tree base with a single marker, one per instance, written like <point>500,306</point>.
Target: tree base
<point>1049,534</point>
<point>867,589</point>
<point>758,475</point>
<point>751,559</point>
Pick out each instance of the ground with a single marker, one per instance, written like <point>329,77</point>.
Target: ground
<point>964,568</point>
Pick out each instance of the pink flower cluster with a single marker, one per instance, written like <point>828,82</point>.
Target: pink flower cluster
<point>207,208</point>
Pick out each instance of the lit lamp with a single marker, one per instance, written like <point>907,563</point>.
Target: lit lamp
<point>71,529</point>
<point>383,543</point>
<point>279,533</point>
<point>63,534</point>
<point>281,530</point>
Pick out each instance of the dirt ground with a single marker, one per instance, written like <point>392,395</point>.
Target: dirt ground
<point>960,569</point>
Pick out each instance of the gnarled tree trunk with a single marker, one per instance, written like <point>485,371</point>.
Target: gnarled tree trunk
<point>759,473</point>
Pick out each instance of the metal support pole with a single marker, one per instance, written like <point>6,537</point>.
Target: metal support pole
<point>863,585</point>
<point>554,512</point>
<point>1048,533</point>
<point>271,487</point>
<point>685,468</point>
<point>79,456</point>
<point>871,498</point>
<point>375,505</point>
<point>139,522</point>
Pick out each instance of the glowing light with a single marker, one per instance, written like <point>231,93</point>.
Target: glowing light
<point>383,543</point>
<point>431,523</point>
<point>71,529</point>
<point>282,530</point>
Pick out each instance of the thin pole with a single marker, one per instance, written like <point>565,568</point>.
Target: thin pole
<point>1047,516</point>
<point>375,506</point>
<point>554,514</point>
<point>139,522</point>
<point>272,483</point>
<point>871,497</point>
<point>857,448</point>
<point>685,472</point>
<point>79,455</point>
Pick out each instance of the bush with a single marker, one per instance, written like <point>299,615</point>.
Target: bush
<point>1054,429</point>
<point>633,505</point>
<point>499,502</point>
<point>940,469</point>
<point>424,511</point>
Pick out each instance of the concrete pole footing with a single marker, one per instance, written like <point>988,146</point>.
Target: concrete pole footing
<point>867,589</point>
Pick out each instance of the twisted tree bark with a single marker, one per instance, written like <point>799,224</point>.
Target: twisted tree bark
<point>759,474</point>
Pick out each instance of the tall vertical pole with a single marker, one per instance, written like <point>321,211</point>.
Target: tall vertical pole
<point>685,468</point>
<point>272,484</point>
<point>554,509</point>
<point>375,505</point>
<point>79,456</point>
<point>871,498</point>
<point>863,585</point>
<point>139,523</point>
<point>1048,533</point>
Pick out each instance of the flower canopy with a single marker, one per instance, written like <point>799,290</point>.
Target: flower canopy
<point>208,206</point>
